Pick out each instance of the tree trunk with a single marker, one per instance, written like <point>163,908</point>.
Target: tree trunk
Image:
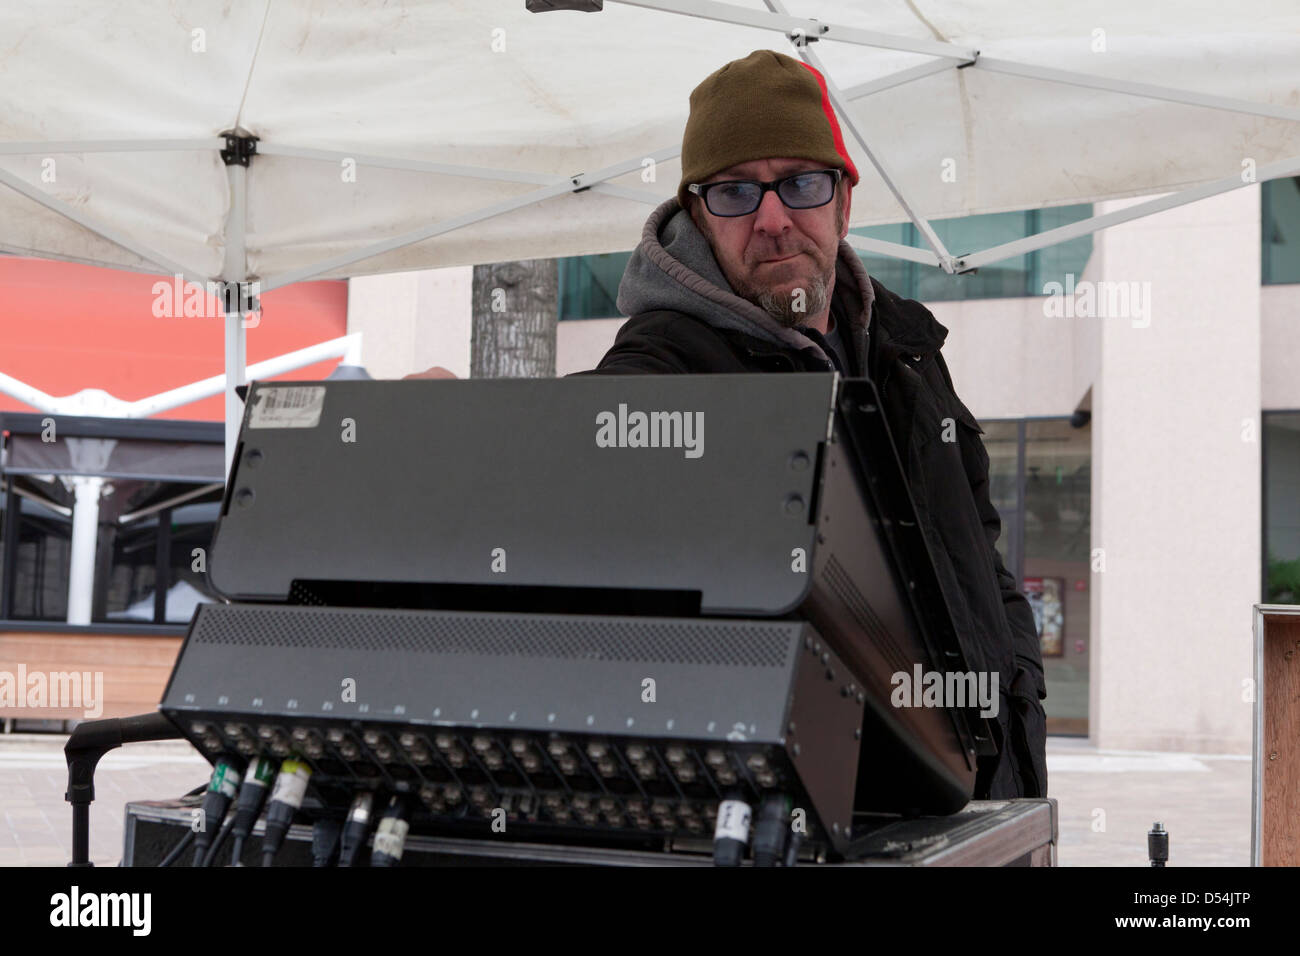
<point>515,307</point>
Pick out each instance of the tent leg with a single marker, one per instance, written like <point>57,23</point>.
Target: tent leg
<point>236,366</point>
<point>234,271</point>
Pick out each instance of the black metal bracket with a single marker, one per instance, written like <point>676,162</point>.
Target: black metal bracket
<point>240,149</point>
<point>240,297</point>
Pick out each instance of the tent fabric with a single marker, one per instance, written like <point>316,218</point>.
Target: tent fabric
<point>138,459</point>
<point>485,83</point>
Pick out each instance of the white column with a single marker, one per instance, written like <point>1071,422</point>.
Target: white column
<point>85,534</point>
<point>1176,479</point>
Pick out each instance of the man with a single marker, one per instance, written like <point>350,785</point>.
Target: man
<point>746,270</point>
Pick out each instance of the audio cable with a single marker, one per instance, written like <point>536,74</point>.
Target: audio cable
<point>731,834</point>
<point>390,835</point>
<point>325,834</point>
<point>356,827</point>
<point>248,807</point>
<point>286,798</point>
<point>771,828</point>
<point>222,787</point>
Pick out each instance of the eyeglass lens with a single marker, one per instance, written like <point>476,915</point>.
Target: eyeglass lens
<point>801,191</point>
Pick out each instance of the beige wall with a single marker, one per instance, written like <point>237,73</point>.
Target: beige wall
<point>579,345</point>
<point>1008,359</point>
<point>411,321</point>
<point>1280,333</point>
<point>1176,481</point>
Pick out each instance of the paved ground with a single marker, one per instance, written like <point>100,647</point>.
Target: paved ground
<point>1108,800</point>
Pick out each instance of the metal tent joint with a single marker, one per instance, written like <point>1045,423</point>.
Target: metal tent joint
<point>240,298</point>
<point>240,149</point>
<point>801,37</point>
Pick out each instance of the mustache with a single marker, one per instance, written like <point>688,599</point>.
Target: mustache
<point>757,258</point>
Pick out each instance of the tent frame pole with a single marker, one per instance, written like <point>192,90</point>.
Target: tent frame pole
<point>33,148</point>
<point>238,153</point>
<point>1050,237</point>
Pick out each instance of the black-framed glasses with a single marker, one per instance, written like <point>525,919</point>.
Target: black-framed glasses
<point>739,197</point>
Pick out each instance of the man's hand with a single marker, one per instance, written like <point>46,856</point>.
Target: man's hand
<point>436,372</point>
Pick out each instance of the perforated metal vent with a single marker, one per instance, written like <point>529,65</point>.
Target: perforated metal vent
<point>871,624</point>
<point>728,643</point>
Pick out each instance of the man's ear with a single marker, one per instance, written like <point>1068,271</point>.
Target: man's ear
<point>848,206</point>
<point>695,210</point>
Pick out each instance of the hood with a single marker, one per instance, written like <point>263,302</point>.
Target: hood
<point>673,268</point>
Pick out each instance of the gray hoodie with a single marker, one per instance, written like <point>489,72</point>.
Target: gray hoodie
<point>673,268</point>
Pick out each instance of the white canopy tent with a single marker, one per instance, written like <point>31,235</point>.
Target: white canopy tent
<point>401,135</point>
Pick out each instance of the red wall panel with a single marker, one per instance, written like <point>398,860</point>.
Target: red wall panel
<point>65,327</point>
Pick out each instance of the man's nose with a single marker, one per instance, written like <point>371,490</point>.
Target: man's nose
<point>772,216</point>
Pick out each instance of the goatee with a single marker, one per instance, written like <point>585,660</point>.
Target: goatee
<point>790,308</point>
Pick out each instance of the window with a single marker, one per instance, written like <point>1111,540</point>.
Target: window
<point>36,531</point>
<point>144,545</point>
<point>158,485</point>
<point>589,284</point>
<point>1018,276</point>
<point>1040,481</point>
<point>1280,219</point>
<point>1281,508</point>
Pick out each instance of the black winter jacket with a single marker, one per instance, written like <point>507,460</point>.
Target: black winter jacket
<point>686,319</point>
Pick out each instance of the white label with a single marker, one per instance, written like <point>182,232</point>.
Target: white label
<point>228,784</point>
<point>390,838</point>
<point>290,786</point>
<point>733,821</point>
<point>287,406</point>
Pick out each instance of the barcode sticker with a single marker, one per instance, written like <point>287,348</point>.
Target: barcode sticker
<point>289,406</point>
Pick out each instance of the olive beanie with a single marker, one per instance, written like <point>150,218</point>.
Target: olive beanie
<point>764,106</point>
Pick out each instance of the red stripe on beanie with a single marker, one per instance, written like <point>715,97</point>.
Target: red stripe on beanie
<point>835,126</point>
